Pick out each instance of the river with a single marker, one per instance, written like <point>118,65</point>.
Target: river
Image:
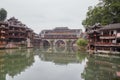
<point>57,64</point>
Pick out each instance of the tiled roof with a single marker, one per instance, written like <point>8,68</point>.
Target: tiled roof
<point>111,26</point>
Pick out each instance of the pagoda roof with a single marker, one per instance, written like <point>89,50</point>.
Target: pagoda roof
<point>93,31</point>
<point>94,26</point>
<point>111,26</point>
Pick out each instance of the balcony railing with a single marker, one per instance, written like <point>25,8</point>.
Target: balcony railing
<point>11,36</point>
<point>106,44</point>
<point>2,43</point>
<point>4,28</point>
<point>2,31</point>
<point>108,37</point>
<point>59,37</point>
<point>21,31</point>
<point>17,25</point>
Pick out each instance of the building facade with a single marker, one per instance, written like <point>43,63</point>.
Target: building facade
<point>60,36</point>
<point>15,34</point>
<point>3,34</point>
<point>104,39</point>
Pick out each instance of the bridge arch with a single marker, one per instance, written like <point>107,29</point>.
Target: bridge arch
<point>46,43</point>
<point>59,49</point>
<point>60,43</point>
<point>73,43</point>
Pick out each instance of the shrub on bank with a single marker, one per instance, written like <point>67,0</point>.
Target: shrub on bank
<point>82,43</point>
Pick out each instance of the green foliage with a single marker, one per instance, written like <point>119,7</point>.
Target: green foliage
<point>3,14</point>
<point>82,42</point>
<point>105,12</point>
<point>81,56</point>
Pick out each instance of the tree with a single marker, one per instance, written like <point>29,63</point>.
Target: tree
<point>82,42</point>
<point>3,14</point>
<point>105,12</point>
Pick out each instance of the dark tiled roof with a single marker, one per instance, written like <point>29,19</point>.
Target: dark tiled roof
<point>61,28</point>
<point>111,26</point>
<point>93,31</point>
<point>94,26</point>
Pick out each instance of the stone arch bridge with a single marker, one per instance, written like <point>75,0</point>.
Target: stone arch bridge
<point>60,36</point>
<point>58,42</point>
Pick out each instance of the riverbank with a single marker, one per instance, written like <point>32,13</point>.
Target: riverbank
<point>103,52</point>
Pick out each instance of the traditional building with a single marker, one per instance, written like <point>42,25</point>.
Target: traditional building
<point>3,34</point>
<point>61,33</point>
<point>60,36</point>
<point>104,39</point>
<point>17,32</point>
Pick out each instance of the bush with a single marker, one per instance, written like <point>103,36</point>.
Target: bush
<point>82,42</point>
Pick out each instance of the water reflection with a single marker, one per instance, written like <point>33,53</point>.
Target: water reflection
<point>56,63</point>
<point>102,68</point>
<point>58,49</point>
<point>60,64</point>
<point>61,55</point>
<point>13,62</point>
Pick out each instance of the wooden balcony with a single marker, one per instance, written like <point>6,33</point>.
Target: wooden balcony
<point>10,36</point>
<point>108,37</point>
<point>59,37</point>
<point>2,43</point>
<point>54,34</point>
<point>17,26</point>
<point>107,44</point>
<point>19,31</point>
<point>2,37</point>
<point>2,31</point>
<point>4,28</point>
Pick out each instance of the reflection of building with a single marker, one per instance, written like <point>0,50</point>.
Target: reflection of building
<point>13,62</point>
<point>104,39</point>
<point>101,68</point>
<point>60,35</point>
<point>62,57</point>
<point>59,58</point>
<point>2,66</point>
<point>3,34</point>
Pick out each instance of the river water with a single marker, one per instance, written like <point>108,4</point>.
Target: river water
<point>57,64</point>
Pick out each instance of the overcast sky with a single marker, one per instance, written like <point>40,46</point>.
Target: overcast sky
<point>48,14</point>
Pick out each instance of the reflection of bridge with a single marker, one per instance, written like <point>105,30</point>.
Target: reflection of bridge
<point>60,36</point>
<point>58,57</point>
<point>62,57</point>
<point>59,49</point>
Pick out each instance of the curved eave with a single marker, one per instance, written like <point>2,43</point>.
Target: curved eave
<point>91,32</point>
